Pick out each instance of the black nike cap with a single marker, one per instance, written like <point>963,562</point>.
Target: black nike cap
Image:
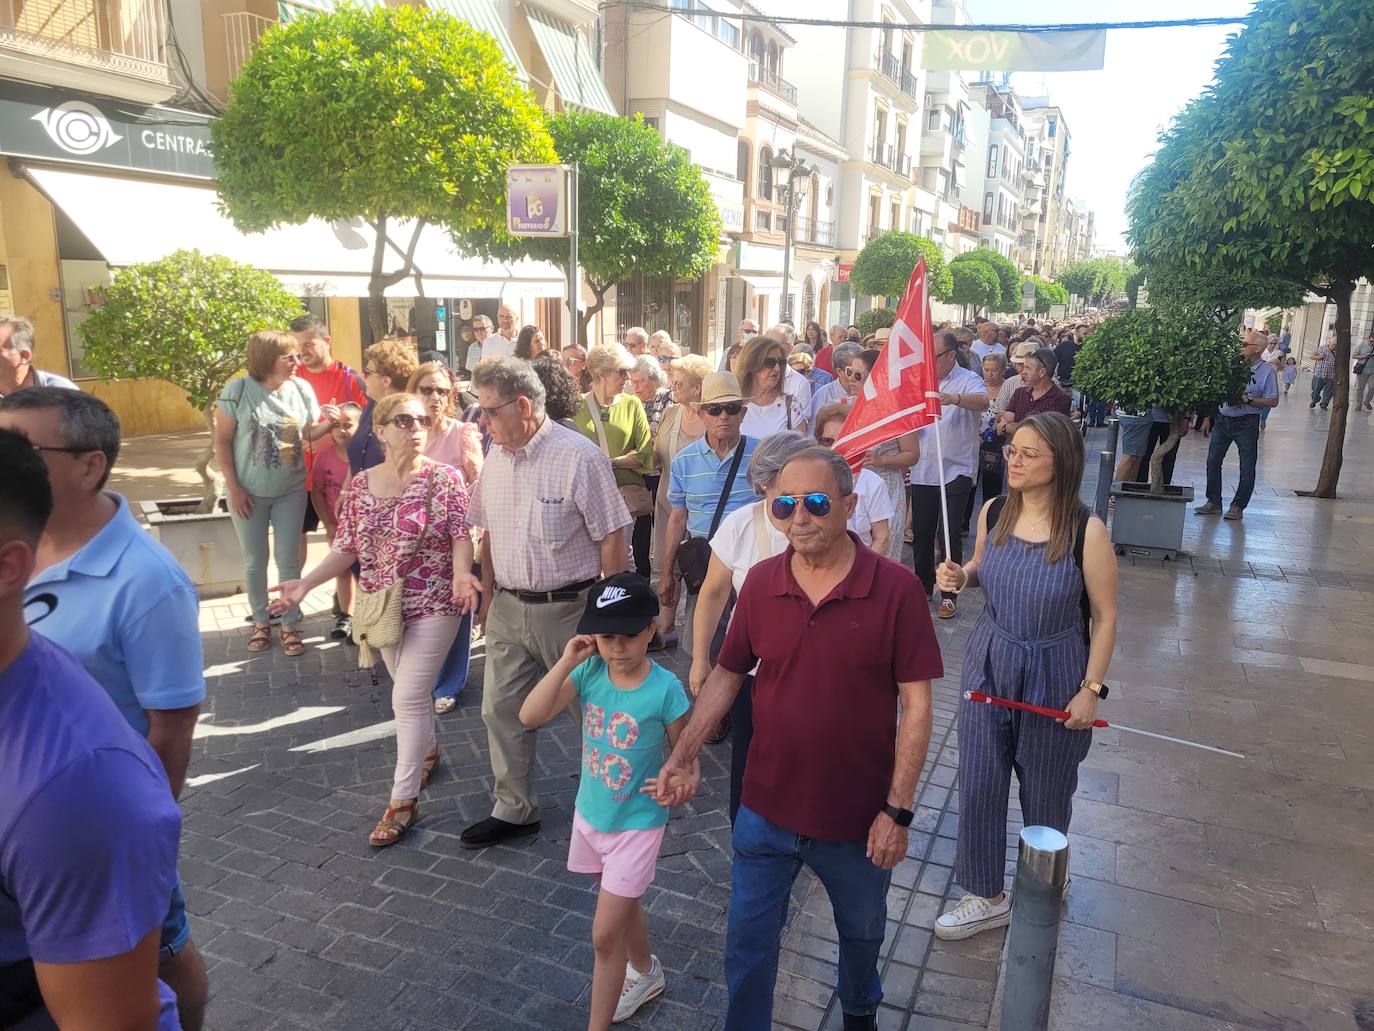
<point>621,604</point>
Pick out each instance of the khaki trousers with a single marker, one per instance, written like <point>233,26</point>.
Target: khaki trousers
<point>523,641</point>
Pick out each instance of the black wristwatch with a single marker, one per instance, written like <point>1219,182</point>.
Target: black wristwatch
<point>901,817</point>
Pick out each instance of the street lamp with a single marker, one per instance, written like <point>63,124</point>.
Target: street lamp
<point>789,167</point>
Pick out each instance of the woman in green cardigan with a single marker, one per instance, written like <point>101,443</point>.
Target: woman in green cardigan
<point>614,420</point>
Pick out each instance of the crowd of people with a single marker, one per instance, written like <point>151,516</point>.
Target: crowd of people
<point>569,504</point>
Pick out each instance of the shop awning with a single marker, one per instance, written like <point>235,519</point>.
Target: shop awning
<point>135,220</point>
<point>769,284</point>
<point>570,62</point>
<point>481,15</point>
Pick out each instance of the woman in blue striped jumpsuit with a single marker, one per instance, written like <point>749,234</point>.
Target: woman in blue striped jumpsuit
<point>1031,644</point>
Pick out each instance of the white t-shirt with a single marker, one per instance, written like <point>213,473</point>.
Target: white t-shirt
<point>874,505</point>
<point>765,420</point>
<point>959,428</point>
<point>497,345</point>
<point>736,543</point>
<point>1272,355</point>
<point>798,386</point>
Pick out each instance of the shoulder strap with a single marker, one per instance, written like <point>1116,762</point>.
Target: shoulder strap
<point>787,403</point>
<point>995,510</point>
<point>761,541</point>
<point>1084,606</point>
<point>594,410</point>
<point>729,485</point>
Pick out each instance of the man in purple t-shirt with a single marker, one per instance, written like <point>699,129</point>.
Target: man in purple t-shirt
<point>831,776</point>
<point>88,826</point>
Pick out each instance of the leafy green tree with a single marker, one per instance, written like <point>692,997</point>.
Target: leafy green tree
<point>185,319</point>
<point>1147,358</point>
<point>643,206</point>
<point>1270,171</point>
<point>883,268</point>
<point>1274,323</point>
<point>874,319</point>
<point>387,113</point>
<point>1219,293</point>
<point>976,284</point>
<point>1047,294</point>
<point>1095,280</point>
<point>1008,277</point>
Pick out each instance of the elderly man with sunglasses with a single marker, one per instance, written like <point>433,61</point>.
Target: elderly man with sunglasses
<point>837,800</point>
<point>702,490</point>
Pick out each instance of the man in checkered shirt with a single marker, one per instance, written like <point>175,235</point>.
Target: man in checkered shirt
<point>555,524</point>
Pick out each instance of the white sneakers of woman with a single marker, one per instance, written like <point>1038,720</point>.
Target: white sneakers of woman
<point>639,989</point>
<point>973,915</point>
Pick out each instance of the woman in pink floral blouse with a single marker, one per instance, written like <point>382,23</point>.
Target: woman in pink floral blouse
<point>407,519</point>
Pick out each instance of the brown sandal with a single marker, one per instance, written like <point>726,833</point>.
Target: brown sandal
<point>427,767</point>
<point>389,830</point>
<point>260,639</point>
<point>291,641</point>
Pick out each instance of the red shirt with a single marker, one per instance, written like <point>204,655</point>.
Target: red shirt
<point>1022,405</point>
<point>825,694</point>
<point>825,359</point>
<point>335,385</point>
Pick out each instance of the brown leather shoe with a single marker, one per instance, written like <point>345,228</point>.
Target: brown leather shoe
<point>721,732</point>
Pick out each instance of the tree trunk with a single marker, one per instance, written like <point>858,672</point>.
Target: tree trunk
<point>1335,435</point>
<point>1176,424</point>
<point>376,286</point>
<point>210,483</point>
<point>584,318</point>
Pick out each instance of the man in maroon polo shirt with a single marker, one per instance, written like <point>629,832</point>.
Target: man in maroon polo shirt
<point>1037,394</point>
<point>831,775</point>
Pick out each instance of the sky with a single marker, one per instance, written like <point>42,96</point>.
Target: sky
<point>1115,114</point>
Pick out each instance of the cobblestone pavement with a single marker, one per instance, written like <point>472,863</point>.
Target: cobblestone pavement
<point>1208,893</point>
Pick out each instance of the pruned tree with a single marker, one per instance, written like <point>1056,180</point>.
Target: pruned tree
<point>874,319</point>
<point>1096,280</point>
<point>1148,358</point>
<point>643,206</point>
<point>185,319</point>
<point>883,268</point>
<point>1008,277</point>
<point>1047,294</point>
<point>384,113</point>
<point>1270,172</point>
<point>976,285</point>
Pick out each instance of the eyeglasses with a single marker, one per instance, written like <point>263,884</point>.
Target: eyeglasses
<point>371,372</point>
<point>666,359</point>
<point>435,391</point>
<point>773,361</point>
<point>481,329</point>
<point>406,421</point>
<point>490,413</point>
<point>732,408</point>
<point>293,357</point>
<point>826,441</point>
<point>856,375</point>
<point>947,350</point>
<point>64,450</point>
<point>785,506</point>
<point>1017,457</point>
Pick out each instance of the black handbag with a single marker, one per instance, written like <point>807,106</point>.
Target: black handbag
<point>694,553</point>
<point>19,994</point>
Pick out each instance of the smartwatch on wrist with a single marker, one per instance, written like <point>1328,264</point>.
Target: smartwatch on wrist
<point>901,817</point>
<point>1092,685</point>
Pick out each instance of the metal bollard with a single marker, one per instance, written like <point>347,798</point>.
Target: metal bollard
<point>1042,868</point>
<point>1113,435</point>
<point>1104,483</point>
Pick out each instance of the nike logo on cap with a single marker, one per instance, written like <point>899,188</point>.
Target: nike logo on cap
<point>611,595</point>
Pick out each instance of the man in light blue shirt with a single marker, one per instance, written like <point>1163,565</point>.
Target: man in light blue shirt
<point>124,609</point>
<point>1240,423</point>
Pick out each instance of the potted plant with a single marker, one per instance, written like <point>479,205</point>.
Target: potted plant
<point>1147,358</point>
<point>185,319</point>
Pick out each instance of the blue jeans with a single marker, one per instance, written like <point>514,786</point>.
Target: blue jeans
<point>767,861</point>
<point>1322,390</point>
<point>284,516</point>
<point>453,674</point>
<point>1243,431</point>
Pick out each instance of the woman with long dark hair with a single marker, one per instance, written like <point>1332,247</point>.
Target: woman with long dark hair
<point>1048,573</point>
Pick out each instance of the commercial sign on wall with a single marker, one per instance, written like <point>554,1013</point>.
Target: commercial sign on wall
<point>729,198</point>
<point>843,270</point>
<point>65,126</point>
<point>537,200</point>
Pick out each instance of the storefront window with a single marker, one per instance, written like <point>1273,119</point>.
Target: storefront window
<point>661,303</point>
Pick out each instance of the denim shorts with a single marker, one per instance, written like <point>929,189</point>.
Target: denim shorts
<point>176,929</point>
<point>1135,434</point>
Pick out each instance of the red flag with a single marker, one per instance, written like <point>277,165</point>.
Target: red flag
<point>903,390</point>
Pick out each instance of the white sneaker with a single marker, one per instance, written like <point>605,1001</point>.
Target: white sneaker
<point>973,915</point>
<point>639,989</point>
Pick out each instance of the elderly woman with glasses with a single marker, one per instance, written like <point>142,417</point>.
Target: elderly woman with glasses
<point>874,506</point>
<point>746,537</point>
<point>761,371</point>
<point>405,521</point>
<point>262,423</point>
<point>387,367</point>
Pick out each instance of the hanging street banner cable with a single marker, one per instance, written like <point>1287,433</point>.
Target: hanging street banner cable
<point>1068,51</point>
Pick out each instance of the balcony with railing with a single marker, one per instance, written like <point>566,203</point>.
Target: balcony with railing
<point>890,66</point>
<point>816,232</point>
<point>760,75</point>
<point>887,156</point>
<point>113,47</point>
<point>967,221</point>
<point>242,30</point>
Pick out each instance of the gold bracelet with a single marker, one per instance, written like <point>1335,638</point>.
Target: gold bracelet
<point>960,588</point>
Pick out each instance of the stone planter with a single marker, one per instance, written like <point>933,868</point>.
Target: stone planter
<point>1149,525</point>
<point>204,543</point>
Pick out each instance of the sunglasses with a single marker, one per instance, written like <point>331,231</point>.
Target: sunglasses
<point>857,377</point>
<point>490,413</point>
<point>826,441</point>
<point>774,362</point>
<point>435,391</point>
<point>293,357</point>
<point>666,359</point>
<point>732,408</point>
<point>785,505</point>
<point>406,421</point>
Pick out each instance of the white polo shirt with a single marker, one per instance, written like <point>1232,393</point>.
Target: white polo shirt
<point>958,434</point>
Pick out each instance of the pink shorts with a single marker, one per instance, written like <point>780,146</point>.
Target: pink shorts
<point>624,859</point>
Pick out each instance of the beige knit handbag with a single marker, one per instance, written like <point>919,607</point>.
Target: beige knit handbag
<point>379,616</point>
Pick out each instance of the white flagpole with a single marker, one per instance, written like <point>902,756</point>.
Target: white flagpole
<point>944,501</point>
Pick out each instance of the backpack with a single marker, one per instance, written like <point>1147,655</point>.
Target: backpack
<point>1084,607</point>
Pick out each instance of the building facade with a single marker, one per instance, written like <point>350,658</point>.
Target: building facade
<point>1047,124</point>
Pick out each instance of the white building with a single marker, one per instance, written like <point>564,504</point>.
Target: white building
<point>951,140</point>
<point>1046,123</point>
<point>997,180</point>
<point>815,240</point>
